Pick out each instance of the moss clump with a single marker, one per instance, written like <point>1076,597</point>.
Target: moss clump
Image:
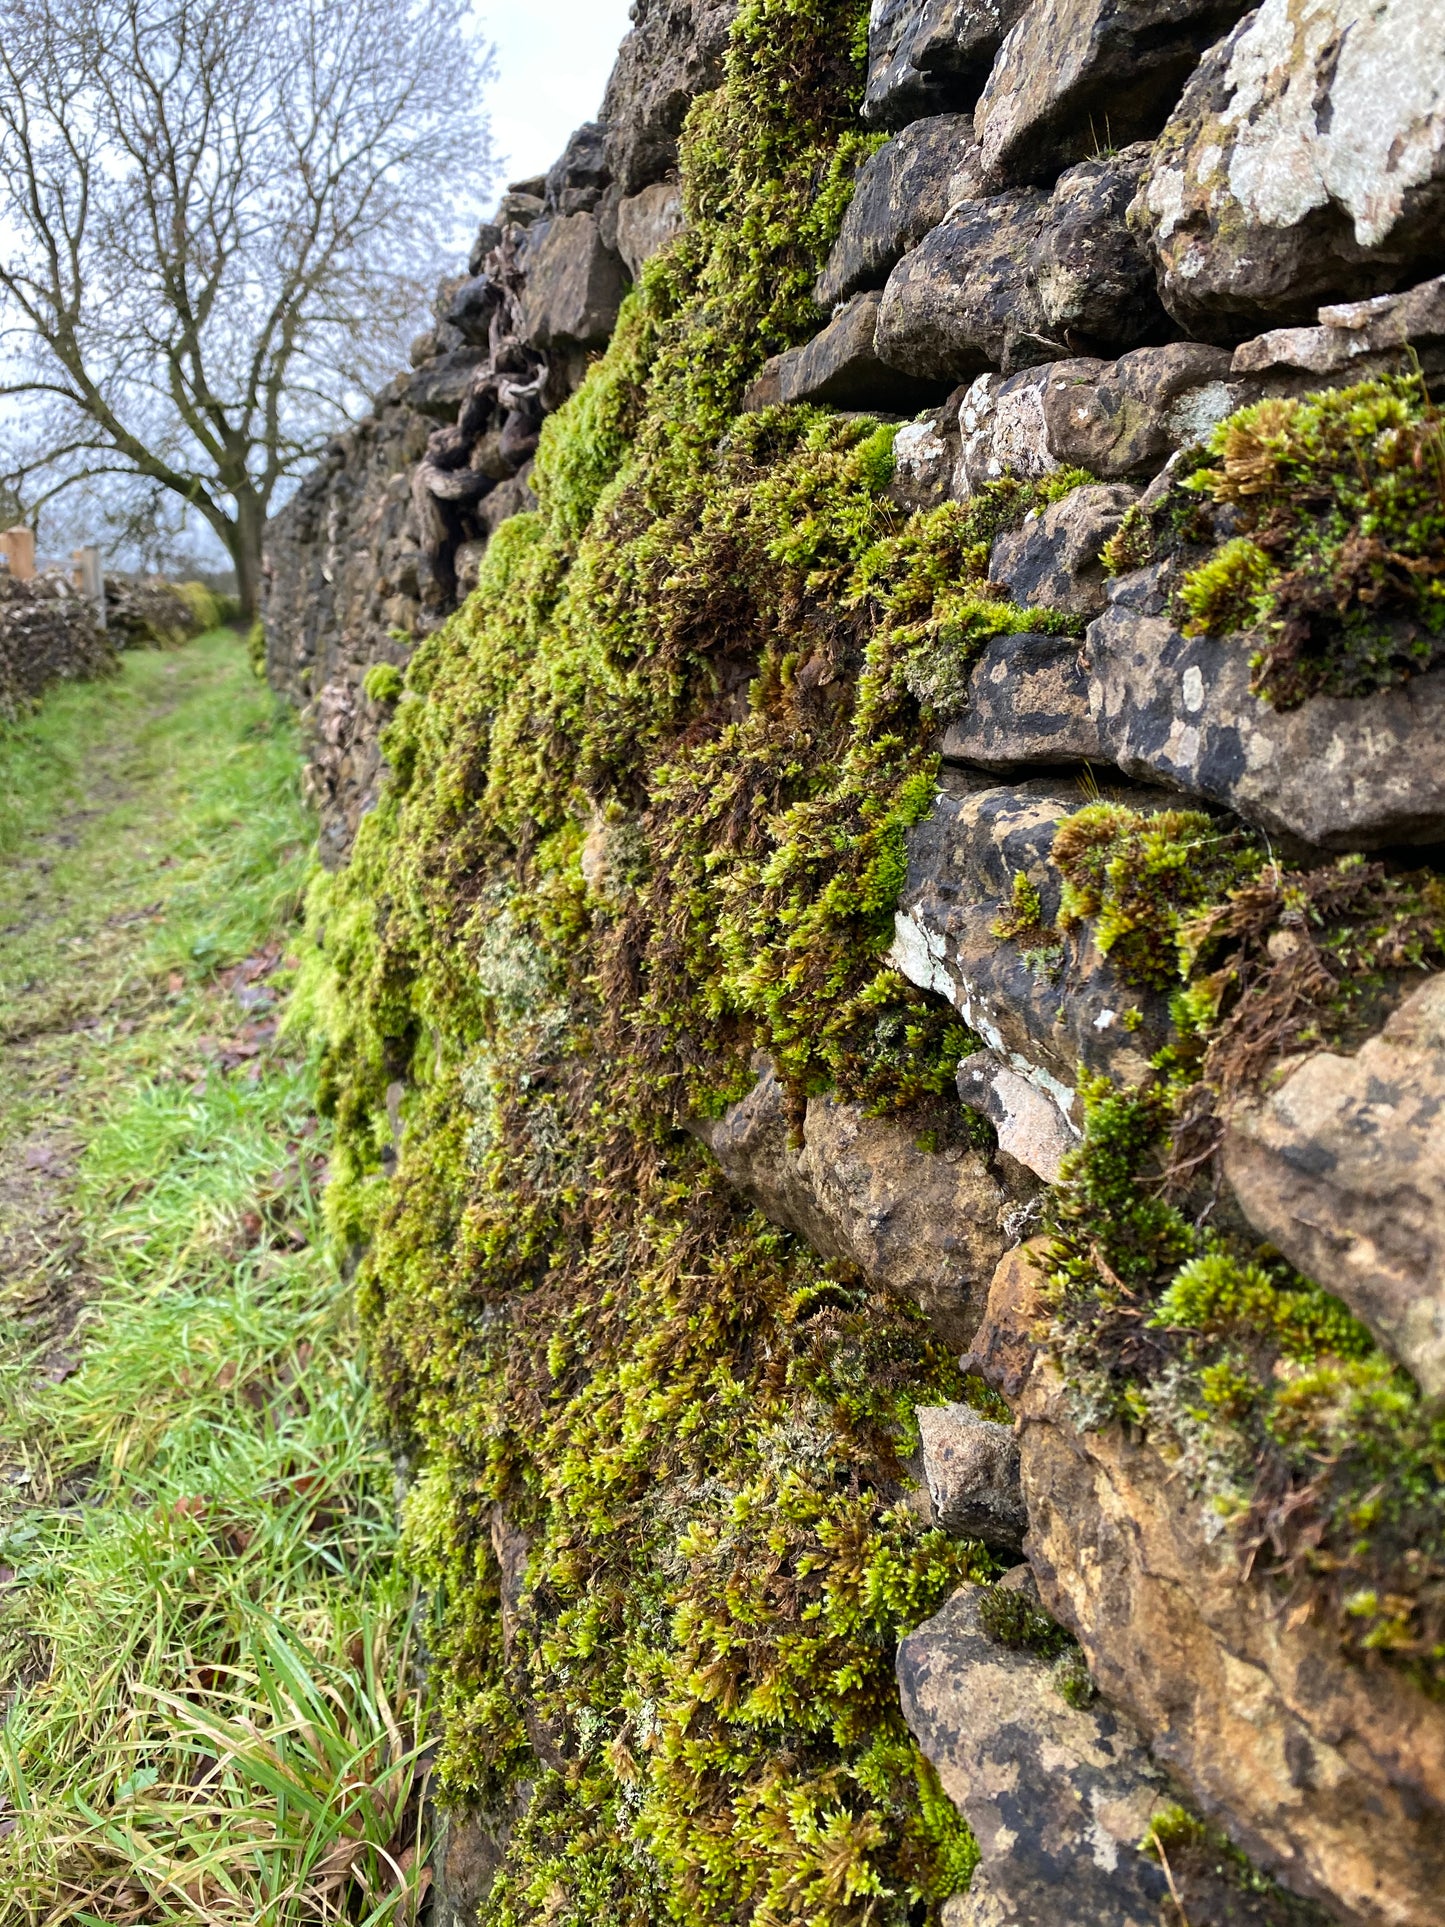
<point>383,683</point>
<point>1141,879</point>
<point>1340,558</point>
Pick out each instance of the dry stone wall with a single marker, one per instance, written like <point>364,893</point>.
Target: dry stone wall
<point>1095,232</point>
<point>48,634</point>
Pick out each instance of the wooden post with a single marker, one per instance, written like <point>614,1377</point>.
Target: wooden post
<point>18,548</point>
<point>90,579</point>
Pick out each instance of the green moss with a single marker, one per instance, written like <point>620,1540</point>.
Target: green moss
<point>383,683</point>
<point>1140,878</point>
<point>1340,563</point>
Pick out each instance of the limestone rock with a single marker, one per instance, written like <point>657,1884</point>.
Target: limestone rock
<point>971,1467</point>
<point>1073,76</point>
<point>924,1223</point>
<point>1020,278</point>
<point>1306,159</point>
<point>1031,1125</point>
<point>841,367</point>
<point>1116,419</point>
<point>1341,773</point>
<point>924,458</point>
<point>1342,1168</point>
<point>1053,560</point>
<point>1058,1797</point>
<point>576,181</point>
<point>575,285</point>
<point>1354,341</point>
<point>1041,1016</point>
<point>1330,1775</point>
<point>902,191</point>
<point>925,55</point>
<point>1028,704</point>
<point>673,53</point>
<point>647,222</point>
<point>440,386</point>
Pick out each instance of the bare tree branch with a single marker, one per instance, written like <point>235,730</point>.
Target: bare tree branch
<point>214,219</point>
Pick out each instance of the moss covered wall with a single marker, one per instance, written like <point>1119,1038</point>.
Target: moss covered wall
<point>648,817</point>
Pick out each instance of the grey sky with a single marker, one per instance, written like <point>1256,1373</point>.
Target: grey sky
<point>553,59</point>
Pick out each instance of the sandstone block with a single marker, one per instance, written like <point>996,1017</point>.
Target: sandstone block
<point>1004,1347</point>
<point>1306,159</point>
<point>971,1467</point>
<point>575,285</point>
<point>1353,341</point>
<point>924,1223</point>
<point>1053,560</point>
<point>902,191</point>
<point>1329,1775</point>
<point>926,55</point>
<point>1342,1167</point>
<point>647,222</point>
<point>1073,76</point>
<point>1058,1797</point>
<point>1020,278</point>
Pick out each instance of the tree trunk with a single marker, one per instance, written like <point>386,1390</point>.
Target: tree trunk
<point>244,540</point>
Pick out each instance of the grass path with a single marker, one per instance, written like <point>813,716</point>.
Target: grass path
<point>207,1667</point>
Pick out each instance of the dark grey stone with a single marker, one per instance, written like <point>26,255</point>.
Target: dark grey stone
<point>925,56</point>
<point>575,285</point>
<point>1053,560</point>
<point>1340,773</point>
<point>840,367</point>
<point>1074,77</point>
<point>1028,706</point>
<point>1021,278</point>
<point>575,181</point>
<point>1058,1796</point>
<point>439,387</point>
<point>673,53</point>
<point>902,191</point>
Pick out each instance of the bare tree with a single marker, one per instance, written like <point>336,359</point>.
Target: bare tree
<point>217,222</point>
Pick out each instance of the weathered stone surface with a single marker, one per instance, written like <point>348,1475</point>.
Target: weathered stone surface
<point>673,53</point>
<point>925,1223</point>
<point>1028,706</point>
<point>647,222</point>
<point>1116,419</point>
<point>971,1466</point>
<point>1058,1797</point>
<point>926,55</point>
<point>1329,1775</point>
<point>1306,160</point>
<point>924,458</point>
<point>841,367</point>
<point>1052,561</point>
<point>575,285</point>
<point>1022,277</point>
<point>440,386</point>
<point>576,180</point>
<point>1004,1346</point>
<point>1342,1168</point>
<point>1030,1124</point>
<point>1342,773</point>
<point>1073,76</point>
<point>1041,1017</point>
<point>902,191</point>
<point>1354,341</point>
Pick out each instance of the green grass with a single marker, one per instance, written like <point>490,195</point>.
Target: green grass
<point>207,1652</point>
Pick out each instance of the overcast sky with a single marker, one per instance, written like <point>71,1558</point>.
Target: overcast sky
<point>553,59</point>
